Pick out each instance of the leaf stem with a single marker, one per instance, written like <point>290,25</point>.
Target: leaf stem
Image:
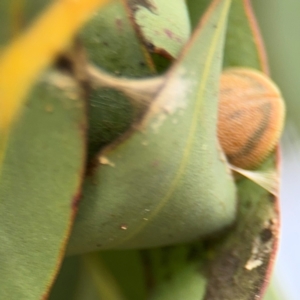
<point>141,91</point>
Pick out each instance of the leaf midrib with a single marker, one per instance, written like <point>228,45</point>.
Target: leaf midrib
<point>190,138</point>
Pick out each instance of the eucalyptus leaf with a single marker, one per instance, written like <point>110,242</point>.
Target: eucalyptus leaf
<point>241,46</point>
<point>111,43</point>
<point>245,261</point>
<point>244,264</point>
<point>196,10</point>
<point>167,182</point>
<point>237,265</point>
<point>163,25</point>
<point>176,272</point>
<point>84,271</point>
<point>16,15</point>
<point>133,287</point>
<point>39,187</point>
<point>101,281</point>
<point>74,282</point>
<point>67,279</point>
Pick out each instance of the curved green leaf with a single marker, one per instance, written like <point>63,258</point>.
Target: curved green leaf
<point>15,15</point>
<point>237,266</point>
<point>39,188</point>
<point>196,9</point>
<point>247,255</point>
<point>67,279</point>
<point>243,265</point>
<point>241,47</point>
<point>100,279</point>
<point>176,272</point>
<point>134,287</point>
<point>163,25</point>
<point>166,183</point>
<point>102,275</point>
<point>111,43</point>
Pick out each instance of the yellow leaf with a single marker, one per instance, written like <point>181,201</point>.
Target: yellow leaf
<point>24,58</point>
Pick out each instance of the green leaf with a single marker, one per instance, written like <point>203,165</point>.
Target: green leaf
<point>65,285</point>
<point>196,10</point>
<point>176,272</point>
<point>247,254</point>
<point>39,187</point>
<point>15,15</point>
<point>74,282</point>
<point>164,25</point>
<point>118,263</point>
<point>83,277</point>
<point>237,265</point>
<point>111,43</point>
<point>241,46</point>
<point>167,182</point>
<point>103,281</point>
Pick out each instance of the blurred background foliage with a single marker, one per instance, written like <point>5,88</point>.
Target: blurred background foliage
<point>280,25</point>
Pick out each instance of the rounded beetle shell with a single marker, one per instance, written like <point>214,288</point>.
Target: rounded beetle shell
<point>250,118</point>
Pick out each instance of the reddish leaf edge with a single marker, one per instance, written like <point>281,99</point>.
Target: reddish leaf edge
<point>275,226</point>
<point>265,67</point>
<point>142,121</point>
<point>257,36</point>
<point>74,205</point>
<point>145,49</point>
<point>146,45</point>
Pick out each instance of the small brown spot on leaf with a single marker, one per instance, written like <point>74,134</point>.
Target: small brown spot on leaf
<point>169,33</point>
<point>119,24</point>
